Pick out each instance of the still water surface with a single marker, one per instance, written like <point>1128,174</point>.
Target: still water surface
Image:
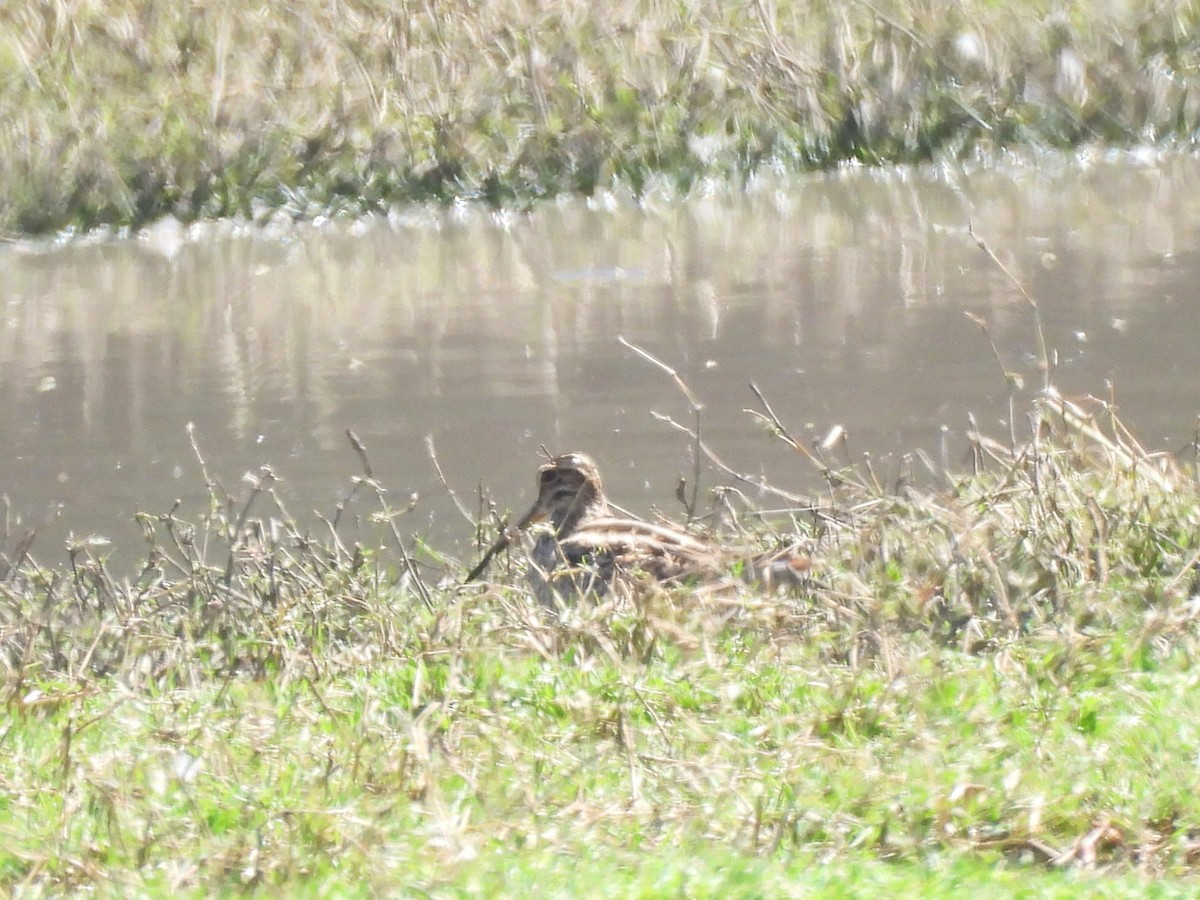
<point>842,296</point>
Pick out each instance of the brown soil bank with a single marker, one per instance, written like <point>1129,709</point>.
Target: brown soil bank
<point>119,112</point>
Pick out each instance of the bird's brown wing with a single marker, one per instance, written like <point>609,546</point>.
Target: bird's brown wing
<point>663,553</point>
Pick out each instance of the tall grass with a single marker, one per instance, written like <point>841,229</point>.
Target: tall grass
<point>988,684</point>
<point>120,112</point>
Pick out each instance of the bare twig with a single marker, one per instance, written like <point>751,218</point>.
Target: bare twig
<point>481,566</point>
<point>1037,318</point>
<point>466,513</point>
<point>361,450</point>
<point>781,431</point>
<point>759,483</point>
<point>422,590</point>
<point>191,433</point>
<point>655,361</point>
<point>689,504</point>
<point>388,515</point>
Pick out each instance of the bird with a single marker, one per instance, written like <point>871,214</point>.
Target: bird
<point>584,549</point>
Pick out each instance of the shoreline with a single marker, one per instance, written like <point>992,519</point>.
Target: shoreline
<point>125,115</point>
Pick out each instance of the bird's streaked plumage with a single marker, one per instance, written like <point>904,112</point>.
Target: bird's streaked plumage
<point>582,548</point>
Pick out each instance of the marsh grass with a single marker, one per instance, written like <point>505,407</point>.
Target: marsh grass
<point>988,686</point>
<point>121,112</point>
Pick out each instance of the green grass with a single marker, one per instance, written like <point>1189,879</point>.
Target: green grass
<point>120,112</point>
<point>990,688</point>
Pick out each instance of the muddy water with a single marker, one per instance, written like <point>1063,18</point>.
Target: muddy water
<point>841,296</point>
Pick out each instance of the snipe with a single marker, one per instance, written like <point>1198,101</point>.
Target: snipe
<point>584,548</point>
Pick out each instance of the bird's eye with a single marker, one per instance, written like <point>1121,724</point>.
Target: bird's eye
<point>547,476</point>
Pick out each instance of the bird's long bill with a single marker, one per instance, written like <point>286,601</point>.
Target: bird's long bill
<point>536,514</point>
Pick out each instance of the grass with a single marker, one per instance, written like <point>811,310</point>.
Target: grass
<point>989,687</point>
<point>117,113</point>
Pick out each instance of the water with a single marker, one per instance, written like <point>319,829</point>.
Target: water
<point>841,296</point>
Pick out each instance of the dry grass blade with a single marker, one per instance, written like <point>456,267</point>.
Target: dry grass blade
<point>696,405</point>
<point>1047,369</point>
<point>1124,454</point>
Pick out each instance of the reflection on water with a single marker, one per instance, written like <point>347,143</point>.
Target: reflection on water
<point>840,296</point>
